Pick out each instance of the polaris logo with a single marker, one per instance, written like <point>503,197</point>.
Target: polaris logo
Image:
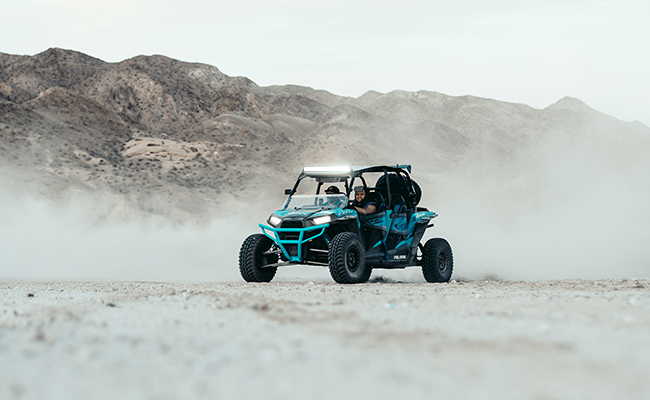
<point>400,257</point>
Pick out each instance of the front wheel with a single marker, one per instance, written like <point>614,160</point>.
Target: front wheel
<point>347,259</point>
<point>254,255</point>
<point>437,260</point>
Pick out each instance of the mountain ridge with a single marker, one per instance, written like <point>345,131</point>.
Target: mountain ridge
<point>61,111</point>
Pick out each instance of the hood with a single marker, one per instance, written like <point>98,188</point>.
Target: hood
<point>304,214</point>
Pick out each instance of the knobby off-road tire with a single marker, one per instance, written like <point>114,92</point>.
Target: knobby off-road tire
<point>347,259</point>
<point>252,258</point>
<point>437,260</point>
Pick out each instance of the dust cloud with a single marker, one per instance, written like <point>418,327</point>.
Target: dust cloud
<point>42,241</point>
<point>577,213</point>
<point>582,212</point>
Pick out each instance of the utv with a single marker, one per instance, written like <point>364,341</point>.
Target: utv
<point>326,230</point>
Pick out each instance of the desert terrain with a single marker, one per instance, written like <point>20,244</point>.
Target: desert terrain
<point>127,188</point>
<point>567,339</point>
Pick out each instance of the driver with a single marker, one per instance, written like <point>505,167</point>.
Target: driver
<point>333,199</point>
<point>361,203</point>
<point>332,190</point>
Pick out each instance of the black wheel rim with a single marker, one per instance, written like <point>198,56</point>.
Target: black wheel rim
<point>261,258</point>
<point>352,259</point>
<point>443,261</point>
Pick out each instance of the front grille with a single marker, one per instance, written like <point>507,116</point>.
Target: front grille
<point>291,224</point>
<point>290,235</point>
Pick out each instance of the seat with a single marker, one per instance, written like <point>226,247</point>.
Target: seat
<point>398,186</point>
<point>376,197</point>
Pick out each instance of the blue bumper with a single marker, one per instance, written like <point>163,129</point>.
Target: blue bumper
<point>282,243</point>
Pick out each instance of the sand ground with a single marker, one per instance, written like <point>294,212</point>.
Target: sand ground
<point>471,340</point>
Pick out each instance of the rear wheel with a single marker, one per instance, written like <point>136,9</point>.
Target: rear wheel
<point>253,256</point>
<point>347,259</point>
<point>437,260</point>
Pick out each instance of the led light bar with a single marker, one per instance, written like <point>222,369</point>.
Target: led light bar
<point>345,169</point>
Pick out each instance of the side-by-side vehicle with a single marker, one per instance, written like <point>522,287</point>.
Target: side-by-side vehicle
<point>326,230</point>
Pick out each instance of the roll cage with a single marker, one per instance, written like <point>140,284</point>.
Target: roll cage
<point>348,175</point>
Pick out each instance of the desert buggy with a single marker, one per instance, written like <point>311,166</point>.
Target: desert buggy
<point>325,230</point>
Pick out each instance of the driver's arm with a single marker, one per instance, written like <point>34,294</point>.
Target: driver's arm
<point>370,209</point>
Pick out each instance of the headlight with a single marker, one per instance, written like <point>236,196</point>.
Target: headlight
<point>275,220</point>
<point>322,220</point>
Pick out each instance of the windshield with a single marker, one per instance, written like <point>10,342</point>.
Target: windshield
<point>316,201</point>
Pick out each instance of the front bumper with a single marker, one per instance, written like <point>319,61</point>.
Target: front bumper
<point>293,248</point>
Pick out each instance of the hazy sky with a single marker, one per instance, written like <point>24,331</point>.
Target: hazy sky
<point>532,52</point>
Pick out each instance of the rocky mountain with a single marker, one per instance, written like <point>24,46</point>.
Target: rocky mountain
<point>184,141</point>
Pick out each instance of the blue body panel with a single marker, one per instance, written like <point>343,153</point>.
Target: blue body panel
<point>386,222</point>
<point>297,214</point>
